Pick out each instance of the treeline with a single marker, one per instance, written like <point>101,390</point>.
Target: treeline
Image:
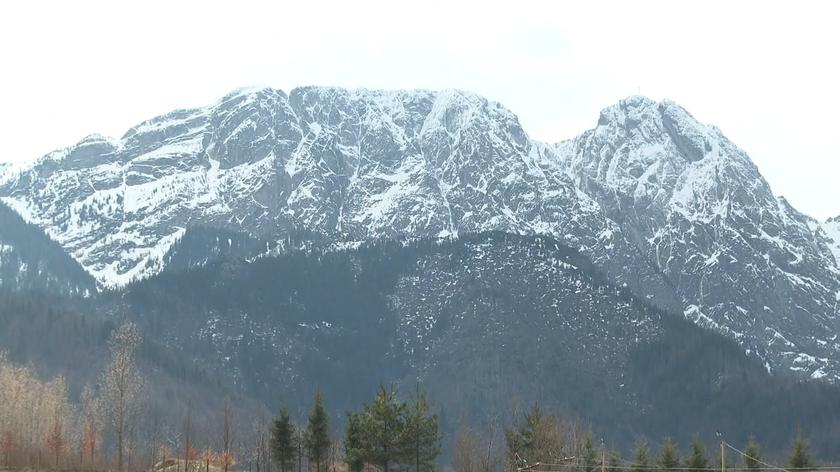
<point>540,441</point>
<point>110,424</point>
<point>387,433</point>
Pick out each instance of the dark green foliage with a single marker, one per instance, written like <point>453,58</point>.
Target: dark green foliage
<point>669,456</point>
<point>641,457</point>
<point>336,319</point>
<point>383,428</point>
<point>614,460</point>
<point>336,313</point>
<point>353,443</point>
<point>422,436</point>
<point>283,447</point>
<point>535,438</point>
<point>393,434</point>
<point>30,260</point>
<point>799,457</point>
<point>317,439</point>
<point>753,455</point>
<point>696,460</point>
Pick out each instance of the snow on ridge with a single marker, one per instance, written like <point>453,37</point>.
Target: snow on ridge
<point>21,208</point>
<point>832,230</point>
<point>170,169</point>
<point>5,171</point>
<point>356,165</point>
<point>148,261</point>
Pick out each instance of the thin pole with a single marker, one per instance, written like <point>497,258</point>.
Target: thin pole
<point>722,457</point>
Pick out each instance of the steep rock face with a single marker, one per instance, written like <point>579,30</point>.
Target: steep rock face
<point>658,201</point>
<point>831,229</point>
<point>338,164</point>
<point>743,261</point>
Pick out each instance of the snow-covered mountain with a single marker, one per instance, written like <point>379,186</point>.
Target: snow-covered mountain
<point>338,164</point>
<point>658,201</point>
<point>831,228</point>
<point>743,261</point>
<point>5,168</point>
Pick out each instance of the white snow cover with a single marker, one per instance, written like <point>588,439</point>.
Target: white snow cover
<point>662,203</point>
<point>832,229</point>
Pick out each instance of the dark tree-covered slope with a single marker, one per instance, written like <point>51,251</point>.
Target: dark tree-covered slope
<point>30,260</point>
<point>483,322</point>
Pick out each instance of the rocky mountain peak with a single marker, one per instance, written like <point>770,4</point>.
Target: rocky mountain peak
<point>832,229</point>
<point>659,202</point>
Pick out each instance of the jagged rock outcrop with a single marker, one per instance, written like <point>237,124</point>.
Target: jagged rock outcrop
<point>659,202</point>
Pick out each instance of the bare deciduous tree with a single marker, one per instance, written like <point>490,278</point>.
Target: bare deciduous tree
<point>226,458</point>
<point>91,426</point>
<point>122,384</point>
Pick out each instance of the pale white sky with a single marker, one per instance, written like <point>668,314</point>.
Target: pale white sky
<point>766,73</point>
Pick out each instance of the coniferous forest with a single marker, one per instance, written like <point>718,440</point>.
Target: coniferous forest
<point>152,376</point>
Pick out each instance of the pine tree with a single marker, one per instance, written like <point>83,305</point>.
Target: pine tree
<point>696,460</point>
<point>753,455</point>
<point>383,423</point>
<point>421,436</point>
<point>669,457</point>
<point>641,461</point>
<point>317,438</point>
<point>353,446</point>
<point>614,460</point>
<point>536,438</point>
<point>283,441</point>
<point>799,458</point>
<point>589,459</point>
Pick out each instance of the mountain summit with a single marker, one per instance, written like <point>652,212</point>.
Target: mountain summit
<point>661,203</point>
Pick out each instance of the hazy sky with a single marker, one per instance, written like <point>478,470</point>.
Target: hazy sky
<point>766,73</point>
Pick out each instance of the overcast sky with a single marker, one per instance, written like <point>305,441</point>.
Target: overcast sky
<point>766,73</point>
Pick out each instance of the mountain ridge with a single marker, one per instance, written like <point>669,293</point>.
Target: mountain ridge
<point>659,202</point>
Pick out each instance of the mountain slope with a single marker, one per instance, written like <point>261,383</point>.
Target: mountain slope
<point>64,336</point>
<point>29,260</point>
<point>659,202</point>
<point>482,321</point>
<point>831,228</point>
<point>743,261</point>
<point>341,165</point>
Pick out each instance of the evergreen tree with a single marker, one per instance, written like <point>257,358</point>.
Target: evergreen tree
<point>669,457</point>
<point>421,437</point>
<point>753,455</point>
<point>536,438</point>
<point>317,439</point>
<point>614,460</point>
<point>799,458</point>
<point>641,460</point>
<point>589,458</point>
<point>383,426</point>
<point>353,443</point>
<point>283,446</point>
<point>696,460</point>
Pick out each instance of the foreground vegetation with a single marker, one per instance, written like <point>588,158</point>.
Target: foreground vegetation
<point>42,429</point>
